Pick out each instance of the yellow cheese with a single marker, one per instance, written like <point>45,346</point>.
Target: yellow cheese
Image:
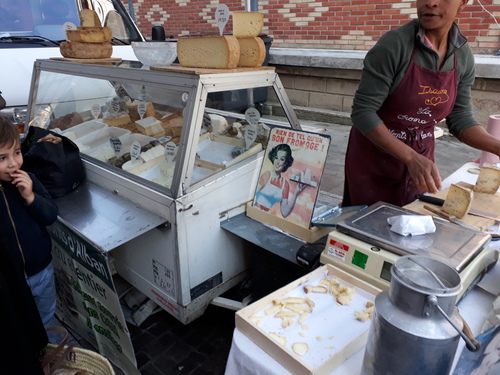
<point>218,52</point>
<point>252,52</point>
<point>90,35</point>
<point>79,50</point>
<point>89,18</point>
<point>458,201</point>
<point>134,114</point>
<point>247,23</point>
<point>149,126</point>
<point>488,180</point>
<point>118,120</point>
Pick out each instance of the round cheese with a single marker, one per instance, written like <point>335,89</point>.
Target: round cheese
<point>79,50</point>
<point>218,52</point>
<point>252,52</point>
<point>90,35</point>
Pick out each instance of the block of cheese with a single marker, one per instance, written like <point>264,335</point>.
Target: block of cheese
<point>488,180</point>
<point>134,114</point>
<point>252,52</point>
<point>117,120</point>
<point>458,201</point>
<point>218,123</point>
<point>90,35</point>
<point>247,23</point>
<point>149,126</point>
<point>89,18</point>
<point>217,52</point>
<point>79,50</point>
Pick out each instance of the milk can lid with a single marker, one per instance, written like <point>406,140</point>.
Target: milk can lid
<point>427,274</point>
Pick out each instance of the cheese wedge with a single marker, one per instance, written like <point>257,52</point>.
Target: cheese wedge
<point>247,24</point>
<point>89,18</point>
<point>90,35</point>
<point>488,180</point>
<point>149,126</point>
<point>217,52</point>
<point>252,52</point>
<point>79,50</point>
<point>134,114</point>
<point>458,201</point>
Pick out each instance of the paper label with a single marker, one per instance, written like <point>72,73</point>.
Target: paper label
<point>250,135</point>
<point>336,253</point>
<point>170,151</point>
<point>116,144</point>
<point>141,109</point>
<point>96,111</point>
<point>222,16</point>
<point>135,150</point>
<point>252,116</point>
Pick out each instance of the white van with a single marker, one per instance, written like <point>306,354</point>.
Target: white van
<point>33,29</point>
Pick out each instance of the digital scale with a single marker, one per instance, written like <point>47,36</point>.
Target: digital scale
<point>364,246</point>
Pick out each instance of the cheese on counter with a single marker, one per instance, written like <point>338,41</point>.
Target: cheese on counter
<point>213,52</point>
<point>149,126</point>
<point>90,35</point>
<point>458,201</point>
<point>89,18</point>
<point>252,52</point>
<point>247,23</point>
<point>79,50</point>
<point>488,180</point>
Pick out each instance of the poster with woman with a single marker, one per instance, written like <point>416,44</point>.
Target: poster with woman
<point>291,173</point>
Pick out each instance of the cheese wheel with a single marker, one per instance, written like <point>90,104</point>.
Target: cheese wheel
<point>79,50</point>
<point>488,180</point>
<point>90,35</point>
<point>247,24</point>
<point>458,201</point>
<point>217,52</point>
<point>89,18</point>
<point>252,52</point>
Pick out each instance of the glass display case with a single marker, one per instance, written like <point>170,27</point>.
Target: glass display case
<point>184,146</point>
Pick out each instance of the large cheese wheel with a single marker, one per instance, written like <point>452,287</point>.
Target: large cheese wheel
<point>218,52</point>
<point>488,180</point>
<point>247,24</point>
<point>458,201</point>
<point>252,52</point>
<point>79,50</point>
<point>89,18</point>
<point>90,35</point>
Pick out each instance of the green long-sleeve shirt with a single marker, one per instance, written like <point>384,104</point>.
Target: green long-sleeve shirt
<point>387,62</point>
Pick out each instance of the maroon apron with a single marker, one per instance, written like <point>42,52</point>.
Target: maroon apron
<point>422,99</point>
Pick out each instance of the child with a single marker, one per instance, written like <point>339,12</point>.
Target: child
<point>26,208</point>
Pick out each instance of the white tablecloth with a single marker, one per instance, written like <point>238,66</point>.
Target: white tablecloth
<point>246,358</point>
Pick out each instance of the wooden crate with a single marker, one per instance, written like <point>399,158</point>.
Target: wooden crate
<point>331,331</point>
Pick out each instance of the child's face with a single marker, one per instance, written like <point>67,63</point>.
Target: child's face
<point>11,160</point>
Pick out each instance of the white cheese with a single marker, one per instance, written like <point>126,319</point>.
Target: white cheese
<point>458,201</point>
<point>218,123</point>
<point>131,164</point>
<point>488,180</point>
<point>149,126</point>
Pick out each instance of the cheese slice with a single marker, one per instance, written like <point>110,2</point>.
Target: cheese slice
<point>252,52</point>
<point>458,201</point>
<point>247,23</point>
<point>488,180</point>
<point>89,18</point>
<point>217,52</point>
<point>90,35</point>
<point>149,126</point>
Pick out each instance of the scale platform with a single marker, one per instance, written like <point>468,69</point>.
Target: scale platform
<point>364,246</point>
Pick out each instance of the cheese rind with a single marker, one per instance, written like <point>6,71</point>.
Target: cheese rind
<point>488,180</point>
<point>252,52</point>
<point>89,18</point>
<point>79,50</point>
<point>217,52</point>
<point>458,201</point>
<point>90,35</point>
<point>247,23</point>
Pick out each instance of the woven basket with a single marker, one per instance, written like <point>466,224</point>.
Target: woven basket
<point>82,359</point>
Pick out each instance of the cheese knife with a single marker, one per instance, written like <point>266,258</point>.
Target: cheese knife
<point>472,211</point>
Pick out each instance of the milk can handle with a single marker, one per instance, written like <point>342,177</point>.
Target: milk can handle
<point>471,343</point>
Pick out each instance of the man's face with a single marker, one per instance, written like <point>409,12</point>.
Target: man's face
<point>438,14</point>
<point>11,160</point>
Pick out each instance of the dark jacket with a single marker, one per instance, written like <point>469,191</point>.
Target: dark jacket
<point>22,226</point>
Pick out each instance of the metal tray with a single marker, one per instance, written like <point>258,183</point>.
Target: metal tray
<point>450,243</point>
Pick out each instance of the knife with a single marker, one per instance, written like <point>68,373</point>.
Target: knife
<point>451,218</point>
<point>472,211</point>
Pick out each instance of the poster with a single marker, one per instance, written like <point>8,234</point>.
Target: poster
<point>87,299</point>
<point>290,176</point>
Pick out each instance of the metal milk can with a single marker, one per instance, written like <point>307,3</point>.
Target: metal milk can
<point>416,327</point>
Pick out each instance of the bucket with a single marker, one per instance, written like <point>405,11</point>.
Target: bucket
<point>416,327</point>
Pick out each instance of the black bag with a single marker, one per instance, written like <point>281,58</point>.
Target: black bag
<point>58,166</point>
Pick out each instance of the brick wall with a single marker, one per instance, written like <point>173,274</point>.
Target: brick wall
<point>334,24</point>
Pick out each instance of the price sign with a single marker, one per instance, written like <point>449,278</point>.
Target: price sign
<point>141,109</point>
<point>68,26</point>
<point>250,135</point>
<point>115,105</point>
<point>116,144</point>
<point>135,150</point>
<point>164,139</point>
<point>96,111</point>
<point>222,16</point>
<point>252,115</point>
<point>170,151</point>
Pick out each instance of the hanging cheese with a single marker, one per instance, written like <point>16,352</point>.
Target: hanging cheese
<point>488,180</point>
<point>458,201</point>
<point>149,126</point>
<point>247,24</point>
<point>252,52</point>
<point>217,52</point>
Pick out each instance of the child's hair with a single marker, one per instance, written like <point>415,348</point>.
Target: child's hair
<point>9,135</point>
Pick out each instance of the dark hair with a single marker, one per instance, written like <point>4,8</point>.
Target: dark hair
<point>9,135</point>
<point>273,154</point>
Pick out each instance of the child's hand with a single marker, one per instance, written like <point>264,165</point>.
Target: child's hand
<point>24,184</point>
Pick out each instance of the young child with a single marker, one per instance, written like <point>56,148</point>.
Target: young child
<point>26,208</point>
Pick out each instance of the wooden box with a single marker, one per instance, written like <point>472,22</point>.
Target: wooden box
<point>331,331</point>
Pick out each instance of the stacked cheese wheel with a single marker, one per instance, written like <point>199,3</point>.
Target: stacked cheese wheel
<point>90,40</point>
<point>242,49</point>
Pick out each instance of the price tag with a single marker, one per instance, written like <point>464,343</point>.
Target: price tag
<point>141,109</point>
<point>96,111</point>
<point>170,151</point>
<point>250,135</point>
<point>252,115</point>
<point>115,105</point>
<point>135,150</point>
<point>164,139</point>
<point>222,16</point>
<point>116,144</point>
<point>68,26</point>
